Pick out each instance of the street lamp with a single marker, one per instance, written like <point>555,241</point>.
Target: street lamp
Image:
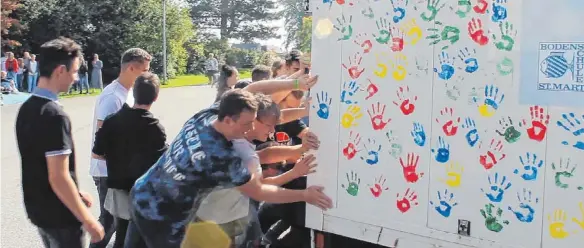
<point>164,38</point>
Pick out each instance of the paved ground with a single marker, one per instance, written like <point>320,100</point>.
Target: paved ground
<point>174,107</point>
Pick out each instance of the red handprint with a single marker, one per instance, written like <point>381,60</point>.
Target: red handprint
<point>491,155</point>
<point>351,149</point>
<point>405,203</point>
<point>476,32</point>
<point>362,41</point>
<point>448,121</point>
<point>406,105</point>
<point>409,169</point>
<point>539,122</point>
<point>481,6</point>
<point>377,188</point>
<point>397,39</point>
<point>372,89</point>
<point>353,68</point>
<point>376,115</point>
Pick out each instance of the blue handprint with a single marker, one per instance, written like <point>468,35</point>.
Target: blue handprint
<point>499,10</point>
<point>324,104</point>
<point>471,63</point>
<point>372,155</point>
<point>446,203</point>
<point>492,101</point>
<point>399,10</point>
<point>575,126</point>
<point>349,90</point>
<point>525,211</point>
<point>419,134</point>
<point>446,66</point>
<point>472,136</point>
<point>530,167</point>
<point>497,189</point>
<point>443,151</point>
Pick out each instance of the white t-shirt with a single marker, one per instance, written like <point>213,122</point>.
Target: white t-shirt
<point>225,205</point>
<point>110,101</point>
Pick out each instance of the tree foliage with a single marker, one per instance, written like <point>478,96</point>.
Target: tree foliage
<point>235,19</point>
<point>292,12</point>
<point>7,21</point>
<point>304,35</point>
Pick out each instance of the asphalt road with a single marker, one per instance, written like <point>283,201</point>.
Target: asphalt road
<point>173,108</point>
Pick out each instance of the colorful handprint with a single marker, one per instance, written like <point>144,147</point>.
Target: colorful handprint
<point>492,101</point>
<point>448,121</point>
<point>446,70</point>
<point>453,175</point>
<point>398,65</point>
<point>378,186</point>
<point>563,172</point>
<point>413,31</point>
<point>468,58</point>
<point>383,35</point>
<point>354,68</point>
<point>508,130</point>
<point>368,12</point>
<point>539,122</point>
<point>432,9</point>
<point>530,167</point>
<point>525,212</point>
<point>352,186</point>
<point>350,149</point>
<point>344,27</point>
<point>492,154</point>
<point>481,6</point>
<point>352,114</point>
<point>372,89</point>
<point>463,8</point>
<point>348,92</point>
<point>575,126</point>
<point>558,224</point>
<point>364,42</point>
<point>395,148</point>
<point>453,88</point>
<point>405,102</point>
<point>419,134</point>
<point>405,202</point>
<point>410,168</point>
<point>381,60</point>
<point>497,188</point>
<point>507,39</point>
<point>493,222</point>
<point>505,66</point>
<point>442,153</point>
<point>476,32</point>
<point>440,33</point>
<point>472,135</point>
<point>376,113</point>
<point>580,222</point>
<point>499,10</point>
<point>372,157</point>
<point>397,39</point>
<point>445,203</point>
<point>324,104</point>
<point>399,9</point>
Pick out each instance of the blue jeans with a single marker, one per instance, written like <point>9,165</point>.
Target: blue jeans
<point>155,233</point>
<point>32,80</point>
<point>83,82</point>
<point>105,218</point>
<point>70,237</point>
<point>133,237</point>
<point>18,81</point>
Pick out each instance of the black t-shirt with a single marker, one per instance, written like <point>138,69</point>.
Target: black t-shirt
<point>287,133</point>
<point>44,129</point>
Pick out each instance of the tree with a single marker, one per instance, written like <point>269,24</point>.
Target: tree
<point>237,19</point>
<point>292,11</point>
<point>7,21</point>
<point>304,35</point>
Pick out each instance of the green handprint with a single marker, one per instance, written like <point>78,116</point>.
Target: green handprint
<point>432,6</point>
<point>368,12</point>
<point>563,172</point>
<point>464,7</point>
<point>448,33</point>
<point>493,223</point>
<point>505,67</point>
<point>396,148</point>
<point>344,27</point>
<point>507,39</point>
<point>383,28</point>
<point>353,184</point>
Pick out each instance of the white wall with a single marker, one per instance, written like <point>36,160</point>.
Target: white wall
<point>448,108</point>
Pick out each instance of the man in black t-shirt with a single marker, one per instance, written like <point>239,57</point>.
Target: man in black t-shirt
<point>43,131</point>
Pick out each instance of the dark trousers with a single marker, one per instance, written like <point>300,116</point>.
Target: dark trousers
<point>155,233</point>
<point>69,237</point>
<point>105,218</point>
<point>133,237</point>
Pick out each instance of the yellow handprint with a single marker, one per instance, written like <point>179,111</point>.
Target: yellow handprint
<point>558,224</point>
<point>413,31</point>
<point>454,174</point>
<point>576,220</point>
<point>353,113</point>
<point>399,67</point>
<point>381,59</point>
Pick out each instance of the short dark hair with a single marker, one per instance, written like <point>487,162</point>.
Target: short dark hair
<point>242,84</point>
<point>293,56</point>
<point>57,52</point>
<point>133,55</point>
<point>277,65</point>
<point>234,102</point>
<point>260,72</point>
<point>146,88</point>
<point>267,108</point>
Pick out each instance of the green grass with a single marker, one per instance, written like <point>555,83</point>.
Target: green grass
<point>180,81</point>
